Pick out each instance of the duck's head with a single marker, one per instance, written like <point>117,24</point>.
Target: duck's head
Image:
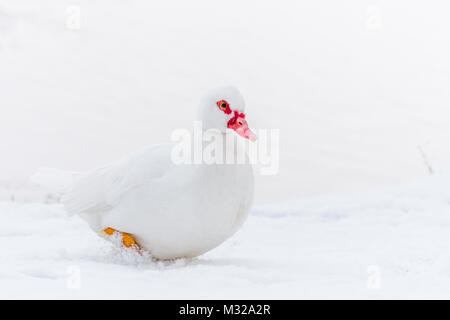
<point>224,108</point>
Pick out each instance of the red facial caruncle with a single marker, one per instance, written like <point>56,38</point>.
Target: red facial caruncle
<point>239,124</point>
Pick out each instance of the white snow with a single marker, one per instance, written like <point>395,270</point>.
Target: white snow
<point>321,247</point>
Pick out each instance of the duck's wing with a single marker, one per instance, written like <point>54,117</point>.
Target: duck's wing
<point>101,189</point>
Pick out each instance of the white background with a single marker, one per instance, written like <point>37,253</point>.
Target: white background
<point>354,86</point>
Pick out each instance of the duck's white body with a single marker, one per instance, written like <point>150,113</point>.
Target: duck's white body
<point>172,210</point>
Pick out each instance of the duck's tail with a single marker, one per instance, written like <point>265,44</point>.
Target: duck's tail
<point>55,181</point>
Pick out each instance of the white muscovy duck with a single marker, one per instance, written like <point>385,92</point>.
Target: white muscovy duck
<point>171,210</point>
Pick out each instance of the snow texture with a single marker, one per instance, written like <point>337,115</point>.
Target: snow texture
<point>389,243</point>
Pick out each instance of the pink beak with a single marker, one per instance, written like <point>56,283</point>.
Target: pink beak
<point>240,125</point>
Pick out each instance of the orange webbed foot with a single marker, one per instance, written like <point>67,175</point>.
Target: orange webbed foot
<point>127,240</point>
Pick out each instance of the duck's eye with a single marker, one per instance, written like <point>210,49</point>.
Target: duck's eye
<point>223,105</point>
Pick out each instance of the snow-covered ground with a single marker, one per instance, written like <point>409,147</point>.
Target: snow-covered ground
<point>390,243</point>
